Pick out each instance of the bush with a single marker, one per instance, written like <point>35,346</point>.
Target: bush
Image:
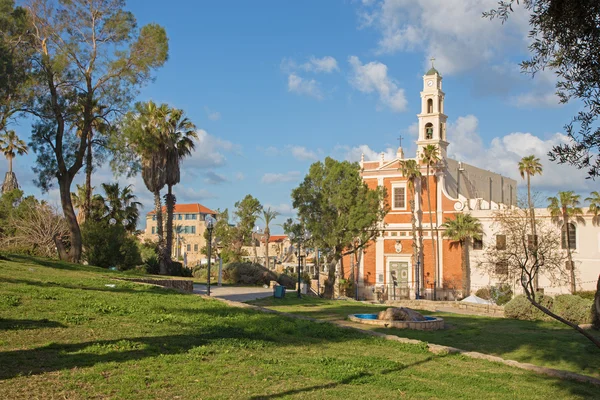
<point>573,308</point>
<point>484,293</point>
<point>177,269</point>
<point>108,246</point>
<point>501,294</point>
<point>586,294</point>
<point>521,308</point>
<point>286,280</point>
<point>247,273</point>
<point>151,265</point>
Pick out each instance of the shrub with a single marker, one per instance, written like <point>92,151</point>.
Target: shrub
<point>151,265</point>
<point>573,308</point>
<point>247,273</point>
<point>177,269</point>
<point>108,245</point>
<point>287,281</point>
<point>521,308</point>
<point>586,294</point>
<point>484,293</point>
<point>501,294</point>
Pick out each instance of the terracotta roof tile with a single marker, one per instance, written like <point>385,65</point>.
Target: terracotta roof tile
<point>188,208</point>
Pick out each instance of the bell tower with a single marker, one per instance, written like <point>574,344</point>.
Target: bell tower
<point>432,120</point>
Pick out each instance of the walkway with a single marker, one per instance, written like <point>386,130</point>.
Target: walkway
<point>235,293</point>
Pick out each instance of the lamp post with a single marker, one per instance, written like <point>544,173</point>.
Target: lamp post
<point>301,238</point>
<point>210,224</point>
<point>256,236</point>
<point>418,273</point>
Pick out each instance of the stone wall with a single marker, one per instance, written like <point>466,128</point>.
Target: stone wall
<point>177,284</point>
<point>490,309</point>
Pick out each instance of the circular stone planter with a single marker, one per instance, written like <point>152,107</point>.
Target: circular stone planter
<point>430,324</point>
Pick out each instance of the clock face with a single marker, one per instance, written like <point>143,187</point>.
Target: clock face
<point>429,83</point>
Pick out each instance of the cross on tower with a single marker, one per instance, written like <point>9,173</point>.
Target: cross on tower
<point>400,140</point>
<point>432,60</point>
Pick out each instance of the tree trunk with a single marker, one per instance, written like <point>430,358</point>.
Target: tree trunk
<point>569,255</point>
<point>74,254</point>
<point>466,270</point>
<point>160,233</point>
<point>254,248</point>
<point>267,237</point>
<point>415,246</point>
<point>87,202</point>
<point>533,230</point>
<point>596,307</point>
<point>10,159</point>
<point>170,205</point>
<point>433,254</point>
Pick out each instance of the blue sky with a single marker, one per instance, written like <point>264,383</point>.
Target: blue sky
<point>276,85</point>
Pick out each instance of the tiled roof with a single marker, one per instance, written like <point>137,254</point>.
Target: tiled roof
<point>277,238</point>
<point>194,208</point>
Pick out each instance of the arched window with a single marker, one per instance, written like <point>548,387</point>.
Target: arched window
<point>429,131</point>
<point>429,106</point>
<point>440,104</point>
<point>442,131</point>
<point>572,235</point>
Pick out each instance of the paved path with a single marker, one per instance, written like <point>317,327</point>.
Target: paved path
<point>235,293</point>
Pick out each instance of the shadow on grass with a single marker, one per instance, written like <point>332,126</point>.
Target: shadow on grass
<point>22,324</point>
<point>346,381</point>
<point>62,285</point>
<point>223,326</point>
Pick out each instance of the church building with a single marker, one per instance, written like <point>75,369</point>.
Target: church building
<point>387,267</point>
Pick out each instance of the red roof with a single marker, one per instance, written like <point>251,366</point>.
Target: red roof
<point>194,208</point>
<point>277,238</point>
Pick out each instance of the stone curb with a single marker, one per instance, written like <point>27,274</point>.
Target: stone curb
<point>433,348</point>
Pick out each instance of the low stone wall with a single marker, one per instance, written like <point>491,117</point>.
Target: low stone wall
<point>490,309</point>
<point>177,284</point>
<point>429,325</point>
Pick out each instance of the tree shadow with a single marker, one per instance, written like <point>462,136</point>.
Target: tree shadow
<point>24,324</point>
<point>346,381</point>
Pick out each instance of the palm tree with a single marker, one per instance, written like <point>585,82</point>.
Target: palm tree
<point>563,209</point>
<point>11,145</point>
<point>530,166</point>
<point>142,129</point>
<point>268,216</point>
<point>430,157</point>
<point>462,230</point>
<point>411,171</point>
<point>594,208</point>
<point>179,134</point>
<point>120,204</point>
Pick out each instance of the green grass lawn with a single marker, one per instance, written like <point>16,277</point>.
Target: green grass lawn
<point>548,344</point>
<point>65,334</point>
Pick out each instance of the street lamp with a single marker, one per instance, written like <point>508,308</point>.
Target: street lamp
<point>300,239</point>
<point>210,224</point>
<point>256,236</point>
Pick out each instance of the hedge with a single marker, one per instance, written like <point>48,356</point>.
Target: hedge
<point>573,308</point>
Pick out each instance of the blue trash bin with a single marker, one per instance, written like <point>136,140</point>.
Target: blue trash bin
<point>279,292</point>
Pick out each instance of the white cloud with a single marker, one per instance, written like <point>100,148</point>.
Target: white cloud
<point>302,153</point>
<point>212,115</point>
<point>452,31</point>
<point>240,176</point>
<point>270,177</point>
<point>210,151</point>
<point>299,85</point>
<point>283,209</point>
<point>543,93</point>
<point>326,64</point>
<point>353,154</point>
<point>373,77</point>
<point>503,154</point>
<point>213,178</point>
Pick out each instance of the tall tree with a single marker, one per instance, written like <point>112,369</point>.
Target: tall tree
<point>142,134</point>
<point>594,207</point>
<point>463,229</point>
<point>11,145</point>
<point>268,216</point>
<point>337,207</point>
<point>120,204</point>
<point>431,158</point>
<point>528,167</point>
<point>563,209</point>
<point>85,52</point>
<point>247,211</point>
<point>412,172</point>
<point>555,26</point>
<point>179,133</point>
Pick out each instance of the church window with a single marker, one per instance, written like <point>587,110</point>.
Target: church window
<point>429,106</point>
<point>153,230</point>
<point>572,234</point>
<point>477,244</point>
<point>440,105</point>
<point>399,197</point>
<point>429,131</point>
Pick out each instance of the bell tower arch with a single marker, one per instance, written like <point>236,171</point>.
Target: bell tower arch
<point>432,120</point>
